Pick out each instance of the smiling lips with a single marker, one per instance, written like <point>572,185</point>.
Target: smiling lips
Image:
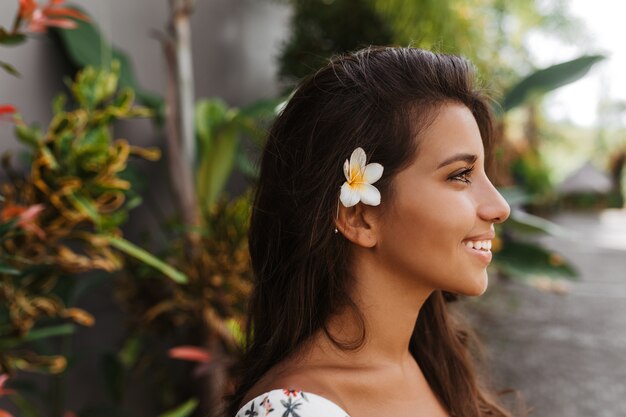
<point>484,245</point>
<point>481,248</point>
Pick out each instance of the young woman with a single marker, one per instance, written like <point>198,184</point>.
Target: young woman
<point>373,209</point>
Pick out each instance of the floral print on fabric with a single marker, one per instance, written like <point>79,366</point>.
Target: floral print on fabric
<point>290,403</point>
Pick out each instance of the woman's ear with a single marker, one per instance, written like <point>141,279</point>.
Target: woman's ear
<point>358,224</point>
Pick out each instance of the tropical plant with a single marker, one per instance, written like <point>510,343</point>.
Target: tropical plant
<point>208,243</point>
<point>524,172</point>
<point>63,218</point>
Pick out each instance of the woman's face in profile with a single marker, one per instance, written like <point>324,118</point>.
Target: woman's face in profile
<point>438,226</point>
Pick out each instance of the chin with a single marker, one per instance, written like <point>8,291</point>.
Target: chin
<point>478,288</point>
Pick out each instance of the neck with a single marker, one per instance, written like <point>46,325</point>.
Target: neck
<point>389,304</point>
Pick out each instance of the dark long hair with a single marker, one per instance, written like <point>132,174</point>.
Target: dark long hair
<point>379,99</point>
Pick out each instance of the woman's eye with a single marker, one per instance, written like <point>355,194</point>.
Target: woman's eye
<point>463,176</point>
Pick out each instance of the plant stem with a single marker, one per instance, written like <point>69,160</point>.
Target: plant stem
<point>181,169</point>
<point>182,30</point>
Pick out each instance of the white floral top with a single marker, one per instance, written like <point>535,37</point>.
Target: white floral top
<point>290,403</point>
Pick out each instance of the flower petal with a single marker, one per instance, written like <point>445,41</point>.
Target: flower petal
<point>372,173</point>
<point>5,413</point>
<point>346,170</point>
<point>60,23</point>
<point>349,196</point>
<point>65,12</point>
<point>190,353</point>
<point>358,159</point>
<point>369,195</point>
<point>7,109</point>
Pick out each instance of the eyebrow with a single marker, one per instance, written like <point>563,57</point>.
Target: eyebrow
<point>466,157</point>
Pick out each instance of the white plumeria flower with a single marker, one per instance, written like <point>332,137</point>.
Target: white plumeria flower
<point>359,180</point>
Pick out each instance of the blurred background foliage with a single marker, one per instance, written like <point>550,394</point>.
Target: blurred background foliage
<point>183,297</point>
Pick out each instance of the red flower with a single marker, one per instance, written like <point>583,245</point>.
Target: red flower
<point>190,353</point>
<point>4,391</point>
<point>7,111</point>
<point>40,18</point>
<point>26,219</point>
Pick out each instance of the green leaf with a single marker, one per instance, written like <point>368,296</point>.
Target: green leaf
<point>93,148</point>
<point>235,329</point>
<point>182,410</point>
<point>217,165</point>
<point>86,207</point>
<point>523,260</point>
<point>9,68</point>
<point>548,79</point>
<point>85,46</point>
<point>209,115</point>
<point>515,196</point>
<point>58,104</point>
<point>527,223</point>
<point>130,352</point>
<point>147,258</point>
<point>8,270</point>
<point>29,135</point>
<point>38,334</point>
<point>11,39</point>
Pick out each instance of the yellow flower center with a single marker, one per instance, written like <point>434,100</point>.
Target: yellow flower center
<point>356,176</point>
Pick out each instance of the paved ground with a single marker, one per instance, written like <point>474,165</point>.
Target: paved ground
<point>566,353</point>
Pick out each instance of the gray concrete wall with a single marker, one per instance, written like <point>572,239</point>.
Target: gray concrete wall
<point>235,43</point>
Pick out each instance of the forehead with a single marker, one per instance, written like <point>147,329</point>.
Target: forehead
<point>454,130</point>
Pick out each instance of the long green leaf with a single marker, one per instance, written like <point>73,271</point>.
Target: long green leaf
<point>515,195</point>
<point>527,223</point>
<point>38,334</point>
<point>183,410</point>
<point>523,260</point>
<point>86,207</point>
<point>217,165</point>
<point>209,114</point>
<point>8,270</point>
<point>147,258</point>
<point>548,79</point>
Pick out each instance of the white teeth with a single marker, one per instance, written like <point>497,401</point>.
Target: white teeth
<point>479,244</point>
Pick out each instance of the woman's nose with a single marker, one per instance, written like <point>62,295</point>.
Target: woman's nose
<point>493,207</point>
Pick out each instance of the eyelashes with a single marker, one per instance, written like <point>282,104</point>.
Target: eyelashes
<point>463,176</point>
